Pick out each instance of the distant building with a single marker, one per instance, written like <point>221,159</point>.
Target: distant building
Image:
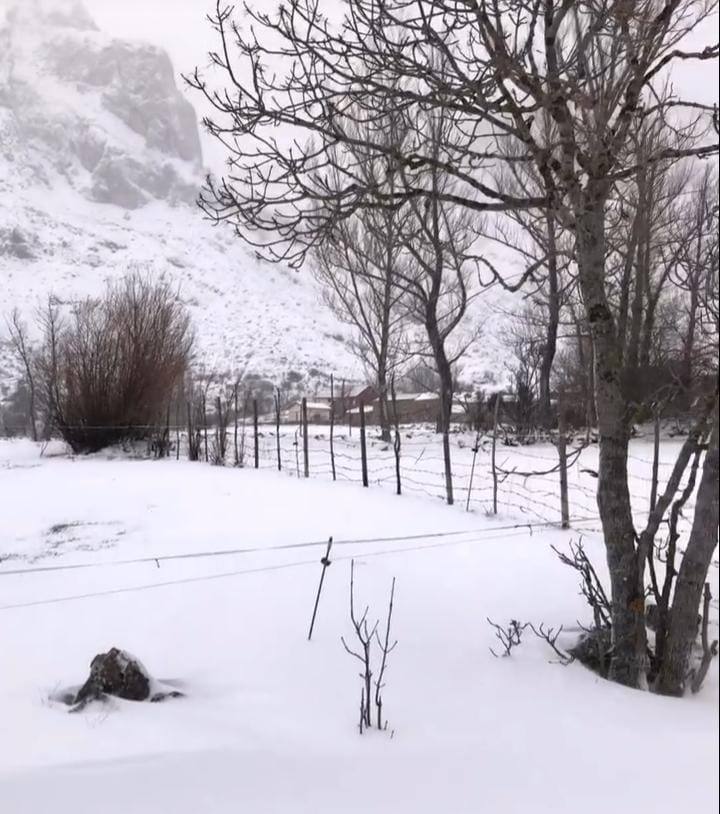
<point>411,408</point>
<point>318,412</point>
<point>348,398</point>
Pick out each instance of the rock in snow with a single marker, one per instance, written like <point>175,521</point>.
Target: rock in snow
<point>115,673</point>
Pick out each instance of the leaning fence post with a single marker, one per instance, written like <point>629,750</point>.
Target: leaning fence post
<point>325,563</point>
<point>256,435</point>
<point>562,454</point>
<point>306,454</point>
<point>475,450</point>
<point>363,446</point>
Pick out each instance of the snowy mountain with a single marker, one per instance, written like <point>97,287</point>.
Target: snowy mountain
<point>100,164</point>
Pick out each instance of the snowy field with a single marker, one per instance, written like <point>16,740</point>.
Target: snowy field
<point>269,721</point>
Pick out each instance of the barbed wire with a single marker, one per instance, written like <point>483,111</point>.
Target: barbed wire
<point>282,547</point>
<point>261,569</point>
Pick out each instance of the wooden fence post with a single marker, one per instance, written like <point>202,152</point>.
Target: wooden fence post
<point>235,430</point>
<point>306,454</point>
<point>177,429</point>
<point>219,452</point>
<point>562,454</point>
<point>363,446</point>
<point>277,429</point>
<point>396,439</point>
<point>192,441</point>
<point>243,432</point>
<point>256,435</point>
<point>332,426</point>
<point>498,399</point>
<point>205,426</point>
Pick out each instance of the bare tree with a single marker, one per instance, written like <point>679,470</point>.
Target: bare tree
<point>544,249</point>
<point>21,346</point>
<point>696,274</point>
<point>593,68</point>
<point>359,267</point>
<point>440,281</point>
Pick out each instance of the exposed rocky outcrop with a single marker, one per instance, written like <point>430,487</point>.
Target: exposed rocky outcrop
<point>103,114</point>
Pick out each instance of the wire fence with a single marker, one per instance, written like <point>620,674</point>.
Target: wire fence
<point>491,473</point>
<point>516,480</point>
<point>429,540</point>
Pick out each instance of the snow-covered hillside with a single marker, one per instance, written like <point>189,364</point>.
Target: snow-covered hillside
<point>100,163</point>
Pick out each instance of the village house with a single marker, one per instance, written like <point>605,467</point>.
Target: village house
<point>318,412</point>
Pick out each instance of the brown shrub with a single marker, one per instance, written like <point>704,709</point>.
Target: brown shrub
<point>110,367</point>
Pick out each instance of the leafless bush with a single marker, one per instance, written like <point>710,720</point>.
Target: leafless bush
<point>591,587</point>
<point>366,635</point>
<point>509,636</point>
<point>109,368</point>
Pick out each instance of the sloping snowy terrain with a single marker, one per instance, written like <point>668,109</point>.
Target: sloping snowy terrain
<point>269,721</point>
<point>100,164</point>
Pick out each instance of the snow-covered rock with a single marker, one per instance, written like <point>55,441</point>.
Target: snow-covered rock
<point>104,114</point>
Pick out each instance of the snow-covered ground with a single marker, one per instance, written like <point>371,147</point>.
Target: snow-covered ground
<point>268,723</point>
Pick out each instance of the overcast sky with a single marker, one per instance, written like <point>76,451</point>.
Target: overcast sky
<point>181,28</point>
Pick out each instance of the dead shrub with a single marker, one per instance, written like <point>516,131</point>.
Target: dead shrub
<point>109,368</point>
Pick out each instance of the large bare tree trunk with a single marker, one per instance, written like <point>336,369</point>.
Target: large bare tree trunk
<point>628,623</point>
<point>693,571</point>
<point>383,411</point>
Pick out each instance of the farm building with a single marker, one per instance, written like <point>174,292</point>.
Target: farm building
<point>411,408</point>
<point>318,412</point>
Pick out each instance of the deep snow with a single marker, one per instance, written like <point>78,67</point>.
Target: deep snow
<point>269,721</point>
